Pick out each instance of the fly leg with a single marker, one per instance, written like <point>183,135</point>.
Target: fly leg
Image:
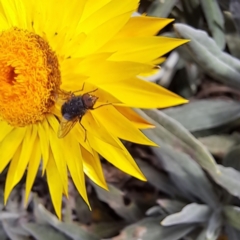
<point>105,104</point>
<point>85,131</point>
<point>80,90</point>
<point>91,91</point>
<point>86,92</point>
<point>64,95</point>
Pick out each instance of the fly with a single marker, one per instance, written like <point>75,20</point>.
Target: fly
<point>74,108</point>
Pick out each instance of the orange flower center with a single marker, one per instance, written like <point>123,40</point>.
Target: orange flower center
<point>29,77</point>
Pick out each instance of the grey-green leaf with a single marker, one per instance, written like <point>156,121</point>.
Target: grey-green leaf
<point>157,179</point>
<point>8,215</point>
<point>3,235</point>
<point>192,213</point>
<point>154,211</point>
<point>209,57</point>
<point>220,145</point>
<point>229,179</point>
<point>161,8</point>
<point>106,229</point>
<point>202,115</point>
<point>232,215</point>
<point>202,235</point>
<point>43,232</point>
<point>169,131</point>
<point>192,12</point>
<point>235,10</point>
<point>215,21</point>
<point>11,232</point>
<point>186,175</point>
<point>171,206</point>
<point>150,229</point>
<point>231,159</point>
<point>72,230</point>
<point>114,197</point>
<point>214,225</point>
<point>232,36</point>
<point>232,233</point>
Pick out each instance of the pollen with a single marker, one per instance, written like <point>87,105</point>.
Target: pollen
<point>29,77</point>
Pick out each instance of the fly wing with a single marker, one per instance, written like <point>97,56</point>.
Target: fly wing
<point>65,126</point>
<point>64,95</point>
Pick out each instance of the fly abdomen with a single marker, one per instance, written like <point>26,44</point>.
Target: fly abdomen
<point>73,108</point>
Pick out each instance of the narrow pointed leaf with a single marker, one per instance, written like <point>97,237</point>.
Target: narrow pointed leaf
<point>43,232</point>
<point>171,206</point>
<point>114,198</point>
<point>214,225</point>
<point>150,229</point>
<point>215,21</point>
<point>235,10</point>
<point>229,178</point>
<point>71,230</point>
<point>201,116</point>
<point>161,8</point>
<point>205,52</point>
<point>192,213</point>
<point>232,216</point>
<point>173,133</point>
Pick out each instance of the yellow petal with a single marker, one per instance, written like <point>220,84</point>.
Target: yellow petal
<point>55,185</point>
<point>93,169</point>
<point>68,50</point>
<point>57,148</point>
<point>20,160</point>
<point>106,31</point>
<point>72,66</point>
<point>69,18</point>
<point>33,167</point>
<point>141,49</point>
<point>111,72</point>
<point>93,6</point>
<point>117,157</point>
<point>26,151</point>
<point>43,129</point>
<point>5,129</point>
<point>119,125</point>
<point>105,13</point>
<point>75,165</point>
<point>20,7</point>
<point>10,10</point>
<point>28,8</point>
<point>9,145</point>
<point>138,121</point>
<point>78,134</point>
<point>103,96</point>
<point>142,94</point>
<point>11,172</point>
<point>104,71</point>
<point>149,26</point>
<point>158,60</point>
<point>38,20</point>
<point>3,19</point>
<point>96,129</point>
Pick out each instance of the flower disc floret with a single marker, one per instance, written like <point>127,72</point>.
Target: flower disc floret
<point>29,77</point>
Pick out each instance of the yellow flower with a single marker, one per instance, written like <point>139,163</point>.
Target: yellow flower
<point>48,45</point>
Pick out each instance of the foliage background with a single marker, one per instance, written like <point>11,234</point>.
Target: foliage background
<point>193,186</point>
